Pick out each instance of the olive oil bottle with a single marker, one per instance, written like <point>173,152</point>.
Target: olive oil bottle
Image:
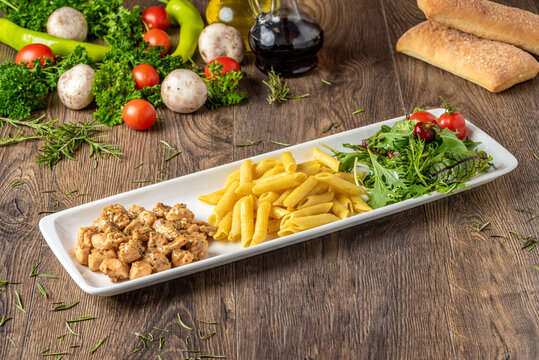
<point>236,13</point>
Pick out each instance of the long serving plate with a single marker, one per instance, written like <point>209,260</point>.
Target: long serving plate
<point>60,229</point>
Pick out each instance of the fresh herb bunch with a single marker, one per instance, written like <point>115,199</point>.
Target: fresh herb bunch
<point>278,89</point>
<point>404,166</point>
<point>223,89</point>
<point>61,140</point>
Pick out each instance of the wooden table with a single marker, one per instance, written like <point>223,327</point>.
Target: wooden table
<point>418,285</point>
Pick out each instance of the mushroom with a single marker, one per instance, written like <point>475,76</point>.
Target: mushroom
<point>75,87</point>
<point>68,23</point>
<point>183,91</point>
<point>220,40</point>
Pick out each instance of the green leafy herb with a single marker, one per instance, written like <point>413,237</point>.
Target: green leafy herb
<point>4,320</point>
<point>223,89</point>
<point>41,289</point>
<point>98,345</point>
<point>183,324</point>
<point>452,168</point>
<point>65,307</point>
<point>250,143</point>
<point>529,241</point>
<point>278,89</point>
<point>18,304</point>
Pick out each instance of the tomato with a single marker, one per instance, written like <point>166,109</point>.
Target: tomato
<point>156,18</point>
<point>423,116</point>
<point>139,114</point>
<point>452,120</point>
<point>145,75</point>
<point>157,37</point>
<point>34,51</point>
<point>425,130</point>
<point>229,65</point>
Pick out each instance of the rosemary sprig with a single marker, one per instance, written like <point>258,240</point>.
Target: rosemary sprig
<point>98,345</point>
<point>249,143</point>
<point>529,241</point>
<point>173,156</point>
<point>358,111</point>
<point>65,307</point>
<point>278,89</point>
<point>18,304</point>
<point>279,143</point>
<point>480,227</point>
<point>61,141</point>
<point>41,289</point>
<point>183,324</point>
<point>4,320</point>
<point>34,273</point>
<point>167,145</point>
<point>17,183</point>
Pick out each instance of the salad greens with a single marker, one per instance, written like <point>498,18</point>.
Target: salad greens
<point>404,166</point>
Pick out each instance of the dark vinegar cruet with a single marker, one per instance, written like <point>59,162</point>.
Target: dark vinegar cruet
<point>285,40</point>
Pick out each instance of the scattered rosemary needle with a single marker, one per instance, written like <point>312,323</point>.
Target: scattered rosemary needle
<point>279,143</point>
<point>200,334</point>
<point>56,204</point>
<point>480,227</point>
<point>18,304</point>
<point>161,341</point>
<point>183,324</point>
<point>191,351</point>
<point>187,340</point>
<point>98,345</point>
<point>173,156</point>
<point>211,357</point>
<point>46,212</point>
<point>61,336</point>
<point>83,318</point>
<point>536,267</point>
<point>70,329</point>
<point>278,89</point>
<point>84,194</point>
<point>528,211</point>
<point>65,307</point>
<point>139,165</point>
<point>17,183</point>
<point>159,180</point>
<point>47,191</point>
<point>74,346</point>
<point>331,126</point>
<point>54,354</point>
<point>248,106</point>
<point>41,289</point>
<point>34,273</point>
<point>535,156</point>
<point>358,111</point>
<point>249,143</point>
<point>4,320</point>
<point>207,336</point>
<point>72,192</point>
<point>167,145</point>
<point>159,357</point>
<point>12,342</point>
<point>134,351</point>
<point>95,164</point>
<point>141,181</point>
<point>325,81</point>
<point>208,322</point>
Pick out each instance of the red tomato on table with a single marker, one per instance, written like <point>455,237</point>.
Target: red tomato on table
<point>34,51</point>
<point>423,116</point>
<point>156,18</point>
<point>229,65</point>
<point>145,75</point>
<point>157,37</point>
<point>139,114</point>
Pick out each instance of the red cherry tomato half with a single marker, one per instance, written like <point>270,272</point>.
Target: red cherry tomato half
<point>425,131</point>
<point>156,18</point>
<point>139,114</point>
<point>423,116</point>
<point>34,51</point>
<point>145,75</point>
<point>229,65</point>
<point>157,37</point>
<point>454,122</point>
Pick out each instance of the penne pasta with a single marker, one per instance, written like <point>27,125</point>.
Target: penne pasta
<point>360,206</point>
<point>271,172</point>
<point>326,159</point>
<point>232,177</point>
<point>224,205</point>
<point>340,210</point>
<point>279,182</point>
<point>319,189</point>
<point>247,220</point>
<point>245,178</point>
<point>299,193</point>
<point>288,162</point>
<point>345,200</point>
<point>277,212</point>
<point>274,225</point>
<point>279,201</point>
<point>340,184</point>
<point>235,226</point>
<point>261,225</point>
<point>306,222</point>
<point>224,227</point>
<point>269,196</point>
<point>311,210</point>
<point>212,198</point>
<point>260,168</point>
<point>316,199</point>
<point>309,167</point>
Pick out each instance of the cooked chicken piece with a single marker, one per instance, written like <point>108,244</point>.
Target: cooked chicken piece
<point>199,245</point>
<point>81,254</point>
<point>97,256</point>
<point>142,233</point>
<point>132,226</point>
<point>116,215</point>
<point>105,226</point>
<point>156,242</point>
<point>157,260</point>
<point>147,218</point>
<point>178,212</point>
<point>175,244</point>
<point>160,210</point>
<point>167,228</point>
<point>115,269</point>
<point>108,240</point>
<point>139,269</point>
<point>182,257</point>
<point>84,235</point>
<point>134,211</point>
<point>129,251</point>
<point>207,229</point>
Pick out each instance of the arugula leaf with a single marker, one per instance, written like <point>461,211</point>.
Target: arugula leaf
<point>450,143</point>
<point>455,168</point>
<point>387,185</point>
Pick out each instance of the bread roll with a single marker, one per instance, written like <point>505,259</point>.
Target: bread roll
<point>494,65</point>
<point>487,19</point>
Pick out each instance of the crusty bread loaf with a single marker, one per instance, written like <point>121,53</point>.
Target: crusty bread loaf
<point>494,65</point>
<point>487,19</point>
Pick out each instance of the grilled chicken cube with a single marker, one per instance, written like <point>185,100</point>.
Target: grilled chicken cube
<point>156,242</point>
<point>178,212</point>
<point>134,211</point>
<point>105,226</point>
<point>199,245</point>
<point>175,244</point>
<point>142,233</point>
<point>166,228</point>
<point>160,210</point>
<point>132,226</point>
<point>108,241</point>
<point>115,269</point>
<point>157,260</point>
<point>97,256</point>
<point>81,254</point>
<point>116,215</point>
<point>129,251</point>
<point>139,269</point>
<point>147,218</point>
<point>84,235</point>
<point>182,257</point>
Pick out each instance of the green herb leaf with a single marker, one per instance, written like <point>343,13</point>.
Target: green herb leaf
<point>18,303</point>
<point>278,89</point>
<point>4,320</point>
<point>98,345</point>
<point>455,168</point>
<point>183,324</point>
<point>249,143</point>
<point>65,307</point>
<point>41,289</point>
<point>223,89</point>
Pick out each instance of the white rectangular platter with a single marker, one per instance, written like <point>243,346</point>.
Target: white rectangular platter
<point>60,229</point>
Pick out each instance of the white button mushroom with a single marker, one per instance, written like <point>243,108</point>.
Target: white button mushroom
<point>68,23</point>
<point>183,91</point>
<point>220,40</point>
<point>75,87</point>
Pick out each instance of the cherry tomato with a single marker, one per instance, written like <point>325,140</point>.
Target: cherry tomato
<point>34,51</point>
<point>145,75</point>
<point>229,65</point>
<point>139,114</point>
<point>423,116</point>
<point>157,37</point>
<point>452,120</point>
<point>425,131</point>
<point>156,18</point>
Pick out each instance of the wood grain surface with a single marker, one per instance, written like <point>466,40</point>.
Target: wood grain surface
<point>420,284</point>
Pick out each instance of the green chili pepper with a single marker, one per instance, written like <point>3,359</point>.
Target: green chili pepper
<point>191,23</point>
<point>17,37</point>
